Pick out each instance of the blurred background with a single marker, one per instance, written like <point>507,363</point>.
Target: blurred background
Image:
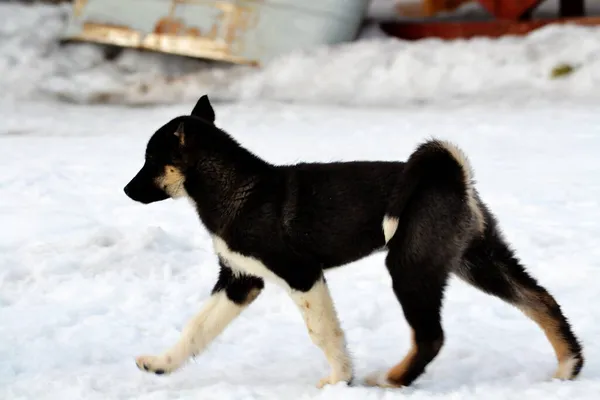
<point>165,51</point>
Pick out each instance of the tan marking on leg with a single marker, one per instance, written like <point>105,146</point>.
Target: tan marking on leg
<point>324,329</point>
<point>536,307</point>
<point>550,328</point>
<point>393,377</point>
<point>396,373</point>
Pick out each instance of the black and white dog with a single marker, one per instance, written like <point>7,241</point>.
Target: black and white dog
<point>289,223</point>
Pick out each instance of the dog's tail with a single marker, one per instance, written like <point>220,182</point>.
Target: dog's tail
<point>435,214</point>
<point>441,171</point>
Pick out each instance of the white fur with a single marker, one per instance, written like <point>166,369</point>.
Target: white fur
<point>565,369</point>
<point>244,264</point>
<point>212,319</point>
<point>176,191</point>
<point>468,177</point>
<point>321,319</point>
<point>379,378</point>
<point>316,306</point>
<point>390,225</point>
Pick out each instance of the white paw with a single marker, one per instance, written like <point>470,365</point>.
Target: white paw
<point>566,369</point>
<point>334,378</point>
<point>380,379</point>
<point>156,364</point>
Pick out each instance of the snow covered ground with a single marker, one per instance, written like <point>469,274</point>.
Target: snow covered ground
<point>375,71</point>
<point>89,279</point>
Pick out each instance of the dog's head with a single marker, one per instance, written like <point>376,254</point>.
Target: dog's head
<point>170,152</point>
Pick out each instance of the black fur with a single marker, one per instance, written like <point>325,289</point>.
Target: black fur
<point>489,264</point>
<point>204,110</point>
<point>300,220</point>
<point>237,287</point>
<point>436,227</point>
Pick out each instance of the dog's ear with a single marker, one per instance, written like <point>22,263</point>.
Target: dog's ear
<point>204,110</point>
<point>180,134</point>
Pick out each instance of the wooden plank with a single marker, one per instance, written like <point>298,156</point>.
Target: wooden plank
<point>465,30</point>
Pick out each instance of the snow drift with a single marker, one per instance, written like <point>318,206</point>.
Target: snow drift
<point>375,70</point>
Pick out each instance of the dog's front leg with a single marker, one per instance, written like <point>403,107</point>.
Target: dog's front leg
<point>230,296</point>
<point>324,329</point>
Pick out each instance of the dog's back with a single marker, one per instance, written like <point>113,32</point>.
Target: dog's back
<point>334,211</point>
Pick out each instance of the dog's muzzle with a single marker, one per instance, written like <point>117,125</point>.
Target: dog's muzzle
<point>142,188</point>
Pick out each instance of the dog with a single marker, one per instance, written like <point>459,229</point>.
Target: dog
<point>288,224</point>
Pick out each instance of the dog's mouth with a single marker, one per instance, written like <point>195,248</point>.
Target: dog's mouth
<point>144,194</point>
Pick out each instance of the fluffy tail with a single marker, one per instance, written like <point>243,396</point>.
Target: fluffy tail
<point>436,219</point>
<point>439,170</point>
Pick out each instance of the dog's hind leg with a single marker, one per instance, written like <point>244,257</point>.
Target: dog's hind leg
<point>230,296</point>
<point>491,266</point>
<point>427,227</point>
<point>419,286</point>
<point>320,316</point>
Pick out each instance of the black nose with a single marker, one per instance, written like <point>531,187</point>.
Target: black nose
<point>127,190</point>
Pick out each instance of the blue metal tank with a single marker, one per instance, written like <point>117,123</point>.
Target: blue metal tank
<point>237,31</point>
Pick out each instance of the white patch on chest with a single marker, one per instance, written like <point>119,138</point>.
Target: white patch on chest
<point>242,264</point>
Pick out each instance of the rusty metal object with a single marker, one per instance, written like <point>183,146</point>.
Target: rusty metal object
<point>78,6</point>
<point>466,30</point>
<point>183,45</point>
<point>172,35</point>
<point>237,31</point>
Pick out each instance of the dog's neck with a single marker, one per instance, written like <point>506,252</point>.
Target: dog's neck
<point>221,186</point>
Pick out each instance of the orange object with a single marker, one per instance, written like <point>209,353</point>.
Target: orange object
<point>508,9</point>
<point>513,17</point>
<point>432,7</point>
<point>428,8</point>
<point>465,30</point>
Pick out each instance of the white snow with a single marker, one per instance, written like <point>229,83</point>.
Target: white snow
<point>89,279</point>
<point>375,71</point>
